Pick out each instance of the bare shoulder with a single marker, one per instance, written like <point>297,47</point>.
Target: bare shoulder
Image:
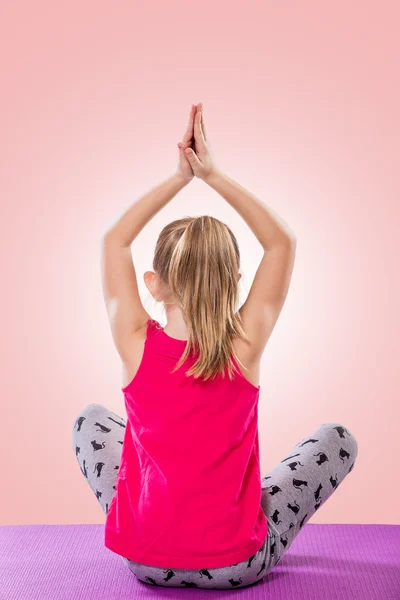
<point>249,357</point>
<point>260,312</point>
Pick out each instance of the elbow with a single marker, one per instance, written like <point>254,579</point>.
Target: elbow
<point>110,236</point>
<point>288,239</point>
<point>293,239</point>
<point>289,234</point>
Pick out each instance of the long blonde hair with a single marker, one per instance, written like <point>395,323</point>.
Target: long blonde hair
<point>198,259</point>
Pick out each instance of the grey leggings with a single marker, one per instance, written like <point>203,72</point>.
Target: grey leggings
<point>291,493</point>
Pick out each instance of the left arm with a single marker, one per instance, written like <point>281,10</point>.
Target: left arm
<point>125,310</point>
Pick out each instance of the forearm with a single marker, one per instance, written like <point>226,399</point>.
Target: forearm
<point>264,222</point>
<point>141,212</point>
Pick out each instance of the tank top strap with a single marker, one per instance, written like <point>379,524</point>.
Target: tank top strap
<point>152,328</point>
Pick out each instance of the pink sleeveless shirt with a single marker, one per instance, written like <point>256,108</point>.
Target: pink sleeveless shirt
<point>188,488</point>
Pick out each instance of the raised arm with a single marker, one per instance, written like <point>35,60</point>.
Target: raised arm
<point>125,310</point>
<point>269,289</point>
<point>271,283</point>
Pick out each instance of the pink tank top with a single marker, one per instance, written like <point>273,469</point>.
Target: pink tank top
<point>188,490</point>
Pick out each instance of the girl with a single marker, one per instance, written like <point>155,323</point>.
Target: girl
<point>179,480</point>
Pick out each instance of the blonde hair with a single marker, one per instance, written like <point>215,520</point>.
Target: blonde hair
<point>198,259</point>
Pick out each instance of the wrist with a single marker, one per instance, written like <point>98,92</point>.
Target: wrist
<point>214,176</point>
<point>181,179</point>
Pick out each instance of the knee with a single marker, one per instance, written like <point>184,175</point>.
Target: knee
<point>89,412</point>
<point>343,433</point>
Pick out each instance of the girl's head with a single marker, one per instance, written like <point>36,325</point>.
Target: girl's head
<point>196,267</point>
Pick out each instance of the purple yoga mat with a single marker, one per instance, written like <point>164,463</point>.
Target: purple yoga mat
<point>325,562</point>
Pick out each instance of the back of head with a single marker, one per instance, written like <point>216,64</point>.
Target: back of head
<point>198,260</point>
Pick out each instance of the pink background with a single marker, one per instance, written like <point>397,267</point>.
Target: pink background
<point>301,106</point>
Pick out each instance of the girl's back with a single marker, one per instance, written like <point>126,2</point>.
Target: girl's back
<point>189,486</point>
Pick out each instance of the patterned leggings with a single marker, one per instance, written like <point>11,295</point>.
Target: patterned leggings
<point>291,493</point>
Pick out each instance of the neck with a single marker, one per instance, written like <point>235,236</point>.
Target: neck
<point>175,324</point>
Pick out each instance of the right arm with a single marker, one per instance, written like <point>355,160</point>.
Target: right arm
<point>271,283</point>
<point>268,292</point>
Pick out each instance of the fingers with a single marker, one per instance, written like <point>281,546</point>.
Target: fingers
<point>192,158</point>
<point>189,131</point>
<point>203,127</point>
<point>182,153</point>
<point>196,126</point>
<point>198,133</point>
<point>182,149</point>
<point>183,145</point>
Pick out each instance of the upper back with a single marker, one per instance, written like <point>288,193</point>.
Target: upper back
<point>164,345</point>
<point>160,347</point>
<point>157,395</point>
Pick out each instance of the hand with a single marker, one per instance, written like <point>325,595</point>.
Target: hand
<point>200,157</point>
<point>184,168</point>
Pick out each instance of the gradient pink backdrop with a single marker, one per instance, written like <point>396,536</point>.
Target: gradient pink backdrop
<point>301,105</point>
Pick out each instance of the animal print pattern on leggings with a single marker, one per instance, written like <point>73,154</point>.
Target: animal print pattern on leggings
<point>291,493</point>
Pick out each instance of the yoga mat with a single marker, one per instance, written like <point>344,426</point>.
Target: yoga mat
<point>325,562</point>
